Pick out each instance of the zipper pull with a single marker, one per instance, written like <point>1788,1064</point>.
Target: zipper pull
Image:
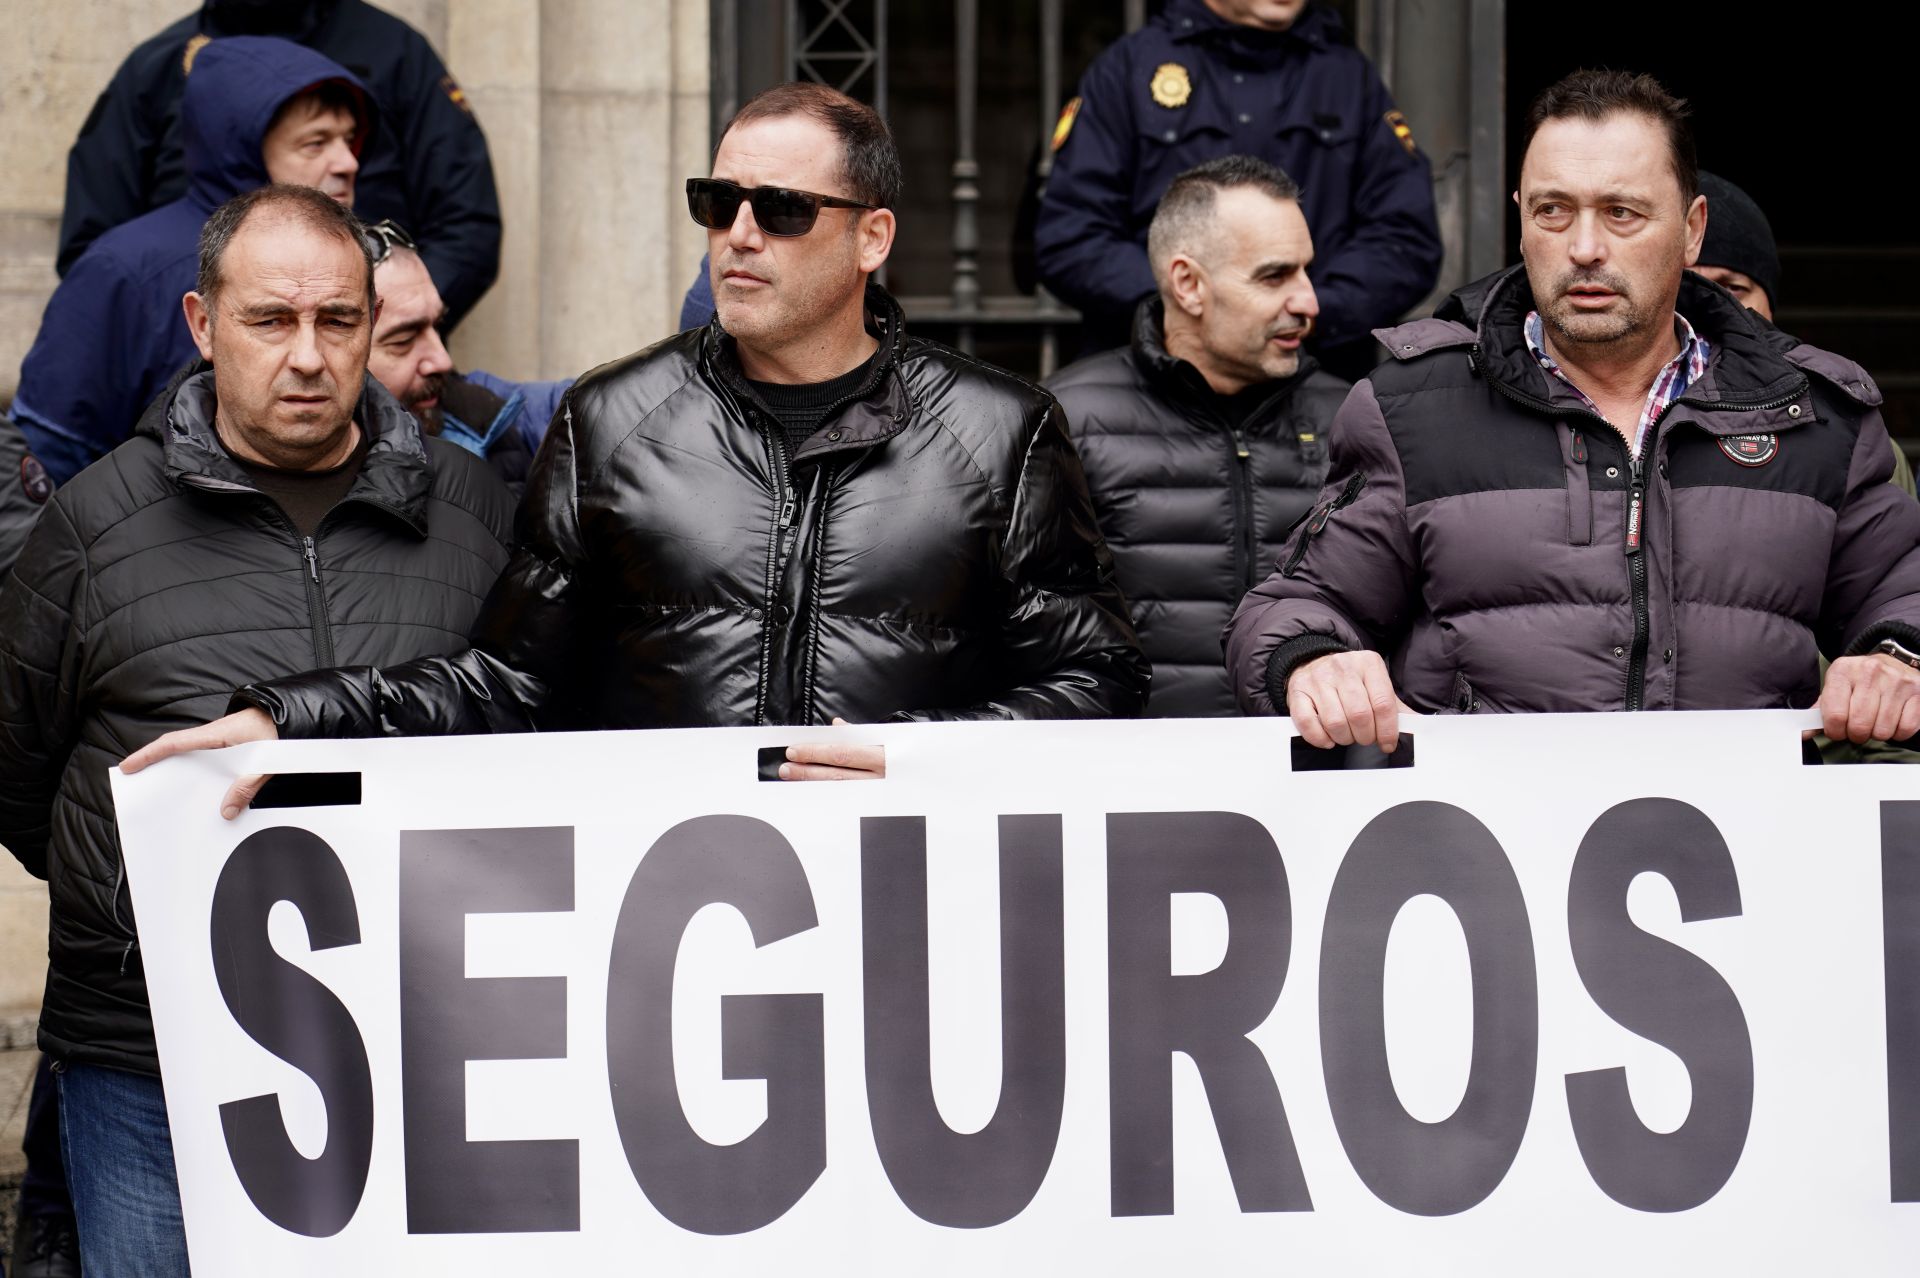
<point>313,563</point>
<point>787,512</point>
<point>1636,507</point>
<point>1240,445</point>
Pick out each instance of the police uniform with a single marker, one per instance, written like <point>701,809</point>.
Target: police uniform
<point>1191,86</point>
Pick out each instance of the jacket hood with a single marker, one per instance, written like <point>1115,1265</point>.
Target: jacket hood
<point>396,476</point>
<point>234,90</point>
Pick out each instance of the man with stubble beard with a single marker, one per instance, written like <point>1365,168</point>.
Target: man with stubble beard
<point>491,417</point>
<point>794,515</point>
<point>1597,482</point>
<point>1205,438</point>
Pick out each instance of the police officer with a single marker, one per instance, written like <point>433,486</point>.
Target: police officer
<point>1276,79</point>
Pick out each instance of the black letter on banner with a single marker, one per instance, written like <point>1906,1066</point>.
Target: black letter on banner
<point>298,1019</point>
<point>716,1189</point>
<point>454,1185</point>
<point>1416,849</point>
<point>1152,1014</point>
<point>988,1177</point>
<point>1663,993</point>
<point>1900,941</point>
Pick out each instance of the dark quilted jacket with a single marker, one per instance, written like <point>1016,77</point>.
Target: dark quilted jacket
<point>929,553</point>
<point>1196,510</point>
<point>1478,528</point>
<point>155,582</point>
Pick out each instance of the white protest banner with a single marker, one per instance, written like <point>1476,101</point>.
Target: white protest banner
<point>1572,994</point>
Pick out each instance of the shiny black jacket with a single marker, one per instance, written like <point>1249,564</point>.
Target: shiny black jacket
<point>1195,508</point>
<point>153,583</point>
<point>928,553</point>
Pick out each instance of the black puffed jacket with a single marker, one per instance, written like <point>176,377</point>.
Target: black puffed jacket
<point>153,583</point>
<point>1195,508</point>
<point>929,553</point>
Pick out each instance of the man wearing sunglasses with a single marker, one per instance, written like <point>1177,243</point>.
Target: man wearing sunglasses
<point>796,514</point>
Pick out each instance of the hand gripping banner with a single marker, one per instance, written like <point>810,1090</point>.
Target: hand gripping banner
<point>1574,994</point>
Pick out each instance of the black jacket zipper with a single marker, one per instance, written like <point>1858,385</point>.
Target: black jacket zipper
<point>785,529</point>
<point>1637,577</point>
<point>316,607</point>
<point>1316,520</point>
<point>1245,550</point>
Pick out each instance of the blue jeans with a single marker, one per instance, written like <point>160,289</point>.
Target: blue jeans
<point>119,1155</point>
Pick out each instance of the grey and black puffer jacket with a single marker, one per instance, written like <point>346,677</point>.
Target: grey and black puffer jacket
<point>1195,507</point>
<point>155,582</point>
<point>1492,538</point>
<point>928,553</point>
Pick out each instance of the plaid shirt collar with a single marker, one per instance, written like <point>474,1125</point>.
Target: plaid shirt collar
<point>1680,372</point>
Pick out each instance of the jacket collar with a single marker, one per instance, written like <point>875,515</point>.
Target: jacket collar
<point>1749,378</point>
<point>874,413</point>
<point>395,478</point>
<point>1179,381</point>
<point>474,417</point>
<point>1190,20</point>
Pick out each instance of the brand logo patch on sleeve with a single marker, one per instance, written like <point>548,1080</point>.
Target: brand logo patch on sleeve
<point>1750,450</point>
<point>1064,125</point>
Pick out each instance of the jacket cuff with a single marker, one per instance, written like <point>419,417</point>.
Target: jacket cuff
<point>259,696</point>
<point>1900,632</point>
<point>318,704</point>
<point>1293,654</point>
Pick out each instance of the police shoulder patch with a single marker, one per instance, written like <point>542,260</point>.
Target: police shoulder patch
<point>1397,121</point>
<point>455,93</point>
<point>1170,86</point>
<point>1750,450</point>
<point>1064,125</point>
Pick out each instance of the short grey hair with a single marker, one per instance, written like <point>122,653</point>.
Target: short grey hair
<point>303,204</point>
<point>1186,210</point>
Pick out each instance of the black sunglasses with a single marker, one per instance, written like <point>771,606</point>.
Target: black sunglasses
<point>386,235</point>
<point>777,210</point>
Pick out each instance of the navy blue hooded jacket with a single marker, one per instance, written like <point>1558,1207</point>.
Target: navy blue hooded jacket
<point>1304,99</point>
<point>425,164</point>
<point>114,333</point>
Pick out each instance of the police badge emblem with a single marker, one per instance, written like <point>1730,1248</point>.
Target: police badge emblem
<point>1170,86</point>
<point>1750,450</point>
